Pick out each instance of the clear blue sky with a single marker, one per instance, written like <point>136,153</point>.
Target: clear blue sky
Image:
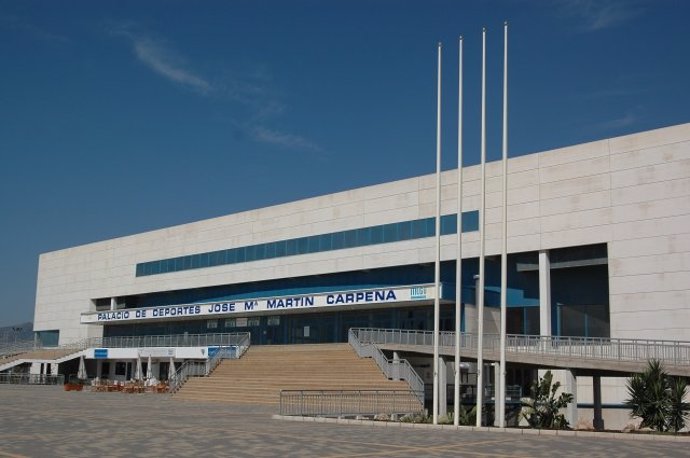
<point>118,117</point>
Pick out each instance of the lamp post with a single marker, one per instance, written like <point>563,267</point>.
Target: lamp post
<point>16,330</point>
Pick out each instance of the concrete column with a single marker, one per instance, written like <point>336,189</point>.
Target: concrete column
<point>99,368</point>
<point>442,385</point>
<point>598,421</point>
<point>396,362</point>
<point>113,303</point>
<point>544,293</point>
<point>497,377</point>
<point>570,386</point>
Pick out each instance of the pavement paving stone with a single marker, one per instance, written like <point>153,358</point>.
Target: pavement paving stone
<point>49,422</point>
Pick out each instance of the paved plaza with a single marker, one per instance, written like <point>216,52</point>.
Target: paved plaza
<point>49,422</point>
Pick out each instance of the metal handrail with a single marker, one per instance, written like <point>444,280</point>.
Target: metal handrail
<point>8,349</point>
<point>343,403</point>
<point>234,352</point>
<point>171,340</point>
<point>192,368</point>
<point>394,369</point>
<point>670,352</point>
<point>31,379</point>
<point>189,368</point>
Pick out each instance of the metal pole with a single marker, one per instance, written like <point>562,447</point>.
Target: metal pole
<point>437,263</point>
<point>458,268</point>
<point>482,236</point>
<point>501,383</point>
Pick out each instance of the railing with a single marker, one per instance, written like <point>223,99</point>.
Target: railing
<point>193,368</point>
<point>173,340</point>
<point>31,379</point>
<point>394,369</point>
<point>190,368</point>
<point>513,393</point>
<point>344,403</point>
<point>598,348</point>
<point>12,348</point>
<point>234,352</point>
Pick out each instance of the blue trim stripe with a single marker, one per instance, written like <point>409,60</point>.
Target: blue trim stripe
<point>372,235</point>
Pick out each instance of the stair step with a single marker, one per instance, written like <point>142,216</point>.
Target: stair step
<point>263,371</point>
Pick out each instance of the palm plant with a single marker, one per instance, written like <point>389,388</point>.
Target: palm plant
<point>678,409</point>
<point>657,398</point>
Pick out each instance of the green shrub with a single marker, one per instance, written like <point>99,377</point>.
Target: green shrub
<point>541,409</point>
<point>657,398</point>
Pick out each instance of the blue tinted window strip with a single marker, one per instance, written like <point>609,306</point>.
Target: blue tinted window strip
<point>373,235</point>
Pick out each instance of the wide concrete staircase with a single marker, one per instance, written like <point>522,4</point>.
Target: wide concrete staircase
<point>47,355</point>
<point>263,371</point>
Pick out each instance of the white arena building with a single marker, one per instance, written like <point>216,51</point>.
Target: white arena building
<point>598,250</point>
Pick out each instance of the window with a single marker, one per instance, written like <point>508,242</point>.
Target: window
<point>390,233</point>
<point>250,253</point>
<point>290,247</point>
<point>383,233</point>
<point>120,368</point>
<point>230,323</point>
<point>270,250</point>
<point>314,244</point>
<point>273,320</point>
<point>254,321</point>
<point>211,324</point>
<point>405,230</point>
<point>302,245</point>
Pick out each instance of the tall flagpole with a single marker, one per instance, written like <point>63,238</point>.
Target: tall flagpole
<point>458,268</point>
<point>480,299</point>
<point>501,384</point>
<point>437,263</point>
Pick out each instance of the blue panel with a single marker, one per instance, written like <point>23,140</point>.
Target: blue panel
<point>337,239</point>
<point>364,236</point>
<point>302,245</point>
<point>280,249</point>
<point>290,247</point>
<point>270,250</point>
<point>350,239</point>
<point>314,244</point>
<point>376,234</point>
<point>250,253</point>
<point>100,353</point>
<point>470,221</point>
<point>418,229</point>
<point>405,230</point>
<point>231,256</point>
<point>390,233</point>
<point>325,242</point>
<point>449,224</point>
<point>260,251</point>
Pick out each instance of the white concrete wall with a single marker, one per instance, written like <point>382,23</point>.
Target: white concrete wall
<point>631,192</point>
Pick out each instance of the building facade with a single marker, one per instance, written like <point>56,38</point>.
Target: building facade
<point>598,243</point>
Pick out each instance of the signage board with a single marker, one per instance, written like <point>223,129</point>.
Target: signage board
<point>270,304</point>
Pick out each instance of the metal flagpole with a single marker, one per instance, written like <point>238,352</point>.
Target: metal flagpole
<point>501,384</point>
<point>437,263</point>
<point>458,268</point>
<point>480,300</point>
